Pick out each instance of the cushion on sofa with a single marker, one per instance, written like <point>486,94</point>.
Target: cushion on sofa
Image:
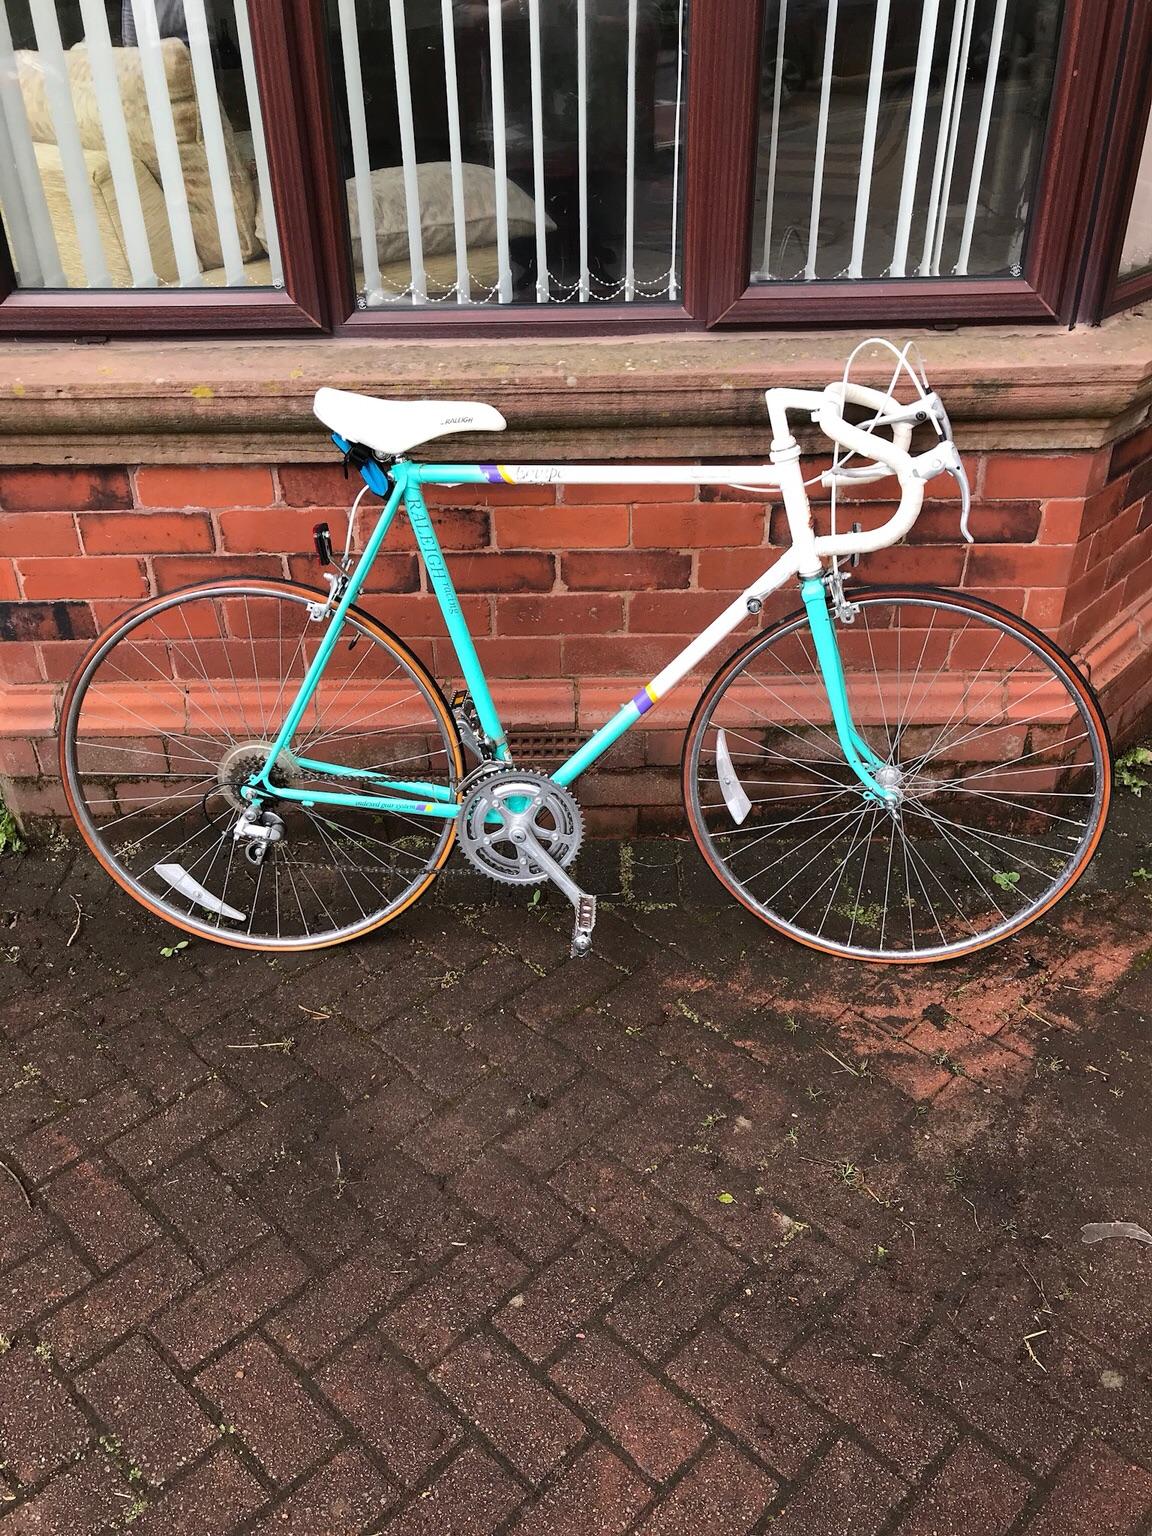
<point>186,120</point>
<point>108,223</point>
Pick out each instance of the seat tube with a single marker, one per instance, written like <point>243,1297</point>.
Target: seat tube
<point>458,631</point>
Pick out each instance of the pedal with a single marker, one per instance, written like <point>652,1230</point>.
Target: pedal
<point>585,922</point>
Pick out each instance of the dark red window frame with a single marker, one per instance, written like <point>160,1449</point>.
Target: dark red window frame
<point>1100,101</point>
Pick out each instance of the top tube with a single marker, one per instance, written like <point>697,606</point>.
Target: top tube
<point>764,476</point>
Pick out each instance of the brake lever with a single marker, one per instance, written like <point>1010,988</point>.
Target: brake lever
<point>960,475</point>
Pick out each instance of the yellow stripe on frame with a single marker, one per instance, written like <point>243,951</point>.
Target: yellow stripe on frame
<point>651,692</point>
<point>505,476</point>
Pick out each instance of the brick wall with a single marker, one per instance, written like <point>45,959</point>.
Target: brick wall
<point>575,596</point>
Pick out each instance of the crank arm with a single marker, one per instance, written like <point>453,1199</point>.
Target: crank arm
<point>583,904</point>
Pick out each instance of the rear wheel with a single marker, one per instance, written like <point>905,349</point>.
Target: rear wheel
<point>993,740</point>
<point>179,703</point>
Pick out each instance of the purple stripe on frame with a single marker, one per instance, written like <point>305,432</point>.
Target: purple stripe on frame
<point>643,702</point>
<point>492,474</point>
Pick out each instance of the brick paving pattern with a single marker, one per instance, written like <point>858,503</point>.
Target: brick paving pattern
<point>443,1235</point>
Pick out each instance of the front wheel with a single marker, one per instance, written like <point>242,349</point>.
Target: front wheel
<point>994,742</point>
<point>178,704</point>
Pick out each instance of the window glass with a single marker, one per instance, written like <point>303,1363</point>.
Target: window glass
<point>511,151</point>
<point>1137,255</point>
<point>900,138</point>
<point>131,148</point>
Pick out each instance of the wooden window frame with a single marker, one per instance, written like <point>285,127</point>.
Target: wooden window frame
<point>1066,272</point>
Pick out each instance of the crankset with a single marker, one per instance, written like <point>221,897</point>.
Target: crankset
<point>522,828</point>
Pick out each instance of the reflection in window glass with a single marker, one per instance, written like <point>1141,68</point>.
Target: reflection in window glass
<point>131,148</point>
<point>1137,254</point>
<point>511,151</point>
<point>900,138</point>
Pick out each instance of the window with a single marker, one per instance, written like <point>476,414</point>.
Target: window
<point>134,152</point>
<point>1136,255</point>
<point>511,153</point>
<point>473,167</point>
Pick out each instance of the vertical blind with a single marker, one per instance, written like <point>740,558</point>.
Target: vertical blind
<point>899,139</point>
<point>118,163</point>
<point>537,159</point>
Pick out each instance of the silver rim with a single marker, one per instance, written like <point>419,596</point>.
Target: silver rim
<point>176,706</point>
<point>1002,782</point>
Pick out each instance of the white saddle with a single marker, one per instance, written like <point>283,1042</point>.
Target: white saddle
<point>394,426</point>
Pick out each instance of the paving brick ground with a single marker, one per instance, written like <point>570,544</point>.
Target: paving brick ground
<point>425,1237</point>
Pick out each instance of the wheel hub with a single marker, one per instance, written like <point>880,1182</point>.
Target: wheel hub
<point>245,759</point>
<point>509,809</point>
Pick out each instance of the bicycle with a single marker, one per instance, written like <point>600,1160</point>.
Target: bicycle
<point>903,775</point>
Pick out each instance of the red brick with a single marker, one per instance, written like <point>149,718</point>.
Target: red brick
<point>269,1410</point>
<point>1061,522</point>
<point>109,1220</point>
<point>116,1305</point>
<point>742,1394</point>
<point>1096,1494</point>
<point>973,1494</point>
<point>389,573</point>
<point>564,1296</point>
<point>559,613</point>
<point>671,1299</point>
<point>433,1317</point>
<point>64,490</point>
<point>176,571</point>
<point>628,571</point>
<point>18,759</point>
<point>214,486</point>
<point>216,1496</point>
<point>698,525</point>
<point>629,1211</point>
<point>1018,566</point>
<point>568,1122</point>
<point>561,527</point>
<point>84,1127</point>
<point>724,1494</point>
<point>344,1498</point>
<point>96,576</point>
<point>392,1408</point>
<point>491,496</point>
<point>88,1497</point>
<point>9,586</point>
<point>148,1149</point>
<point>1130,451</point>
<point>724,570</point>
<point>1044,607</point>
<point>631,656</point>
<point>1012,477</point>
<point>333,1306</point>
<point>940,567</point>
<point>848,1494</point>
<point>318,485</point>
<point>654,1426</point>
<point>583,495</point>
<point>212,1218</point>
<point>230,1302</point>
<point>146,1408</point>
<point>513,572</point>
<point>470,1498</point>
<point>46,621</point>
<point>672,613</point>
<point>40,1427</point>
<point>525,1422</point>
<point>519,657</point>
<point>145,533</point>
<point>38,534</point>
<point>596,1493</point>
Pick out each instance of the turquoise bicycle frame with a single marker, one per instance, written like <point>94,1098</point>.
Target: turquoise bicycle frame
<point>402,487</point>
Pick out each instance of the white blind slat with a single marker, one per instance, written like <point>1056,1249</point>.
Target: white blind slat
<point>630,162</point>
<point>361,164</point>
<point>868,149</point>
<point>990,83</point>
<point>106,85</point>
<point>408,150</point>
<point>215,149</point>
<point>821,140</point>
<point>58,90</point>
<point>582,141</point>
<point>167,146</point>
<point>774,146</point>
<point>17,224</point>
<point>455,153</point>
<point>37,239</point>
<point>953,138</point>
<point>937,208</point>
<point>259,143</point>
<point>537,71</point>
<point>916,119</point>
<point>673,273</point>
<point>500,146</point>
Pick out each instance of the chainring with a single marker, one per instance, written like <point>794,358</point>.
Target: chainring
<point>506,807</point>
